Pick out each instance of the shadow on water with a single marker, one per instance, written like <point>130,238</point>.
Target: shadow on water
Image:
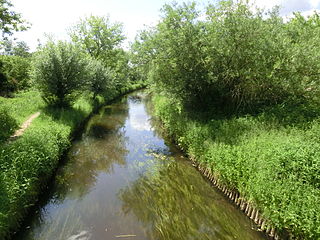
<point>121,180</point>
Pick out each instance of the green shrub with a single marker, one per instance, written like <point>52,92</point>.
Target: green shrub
<point>17,71</point>
<point>59,70</point>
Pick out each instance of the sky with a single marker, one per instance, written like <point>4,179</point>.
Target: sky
<point>55,17</point>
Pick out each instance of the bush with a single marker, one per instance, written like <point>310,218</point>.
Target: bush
<point>59,70</point>
<point>16,69</point>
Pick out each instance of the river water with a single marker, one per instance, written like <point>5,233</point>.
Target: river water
<point>123,180</point>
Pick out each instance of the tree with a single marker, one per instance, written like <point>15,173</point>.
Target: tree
<point>21,49</point>
<point>102,39</point>
<point>100,78</point>
<point>143,51</point>
<point>179,64</point>
<point>10,21</point>
<point>6,46</point>
<point>99,37</point>
<point>59,69</point>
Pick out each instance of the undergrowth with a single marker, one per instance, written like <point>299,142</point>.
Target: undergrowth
<point>273,161</point>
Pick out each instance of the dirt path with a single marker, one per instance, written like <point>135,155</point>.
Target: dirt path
<point>25,125</point>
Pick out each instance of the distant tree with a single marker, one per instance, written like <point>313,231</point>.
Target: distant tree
<point>6,86</point>
<point>6,47</point>
<point>10,47</point>
<point>99,37</point>
<point>101,79</point>
<point>16,69</point>
<point>59,69</point>
<point>142,53</point>
<point>21,49</point>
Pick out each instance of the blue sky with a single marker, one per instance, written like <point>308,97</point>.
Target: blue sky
<point>54,17</point>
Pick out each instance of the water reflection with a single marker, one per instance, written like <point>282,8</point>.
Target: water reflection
<point>102,146</point>
<point>172,202</point>
<point>122,180</point>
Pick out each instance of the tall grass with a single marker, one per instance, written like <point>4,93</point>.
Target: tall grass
<point>22,105</point>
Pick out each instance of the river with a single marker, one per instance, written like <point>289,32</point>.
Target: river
<point>123,179</point>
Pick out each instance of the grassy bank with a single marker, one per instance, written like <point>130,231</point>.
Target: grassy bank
<point>272,159</point>
<point>28,163</point>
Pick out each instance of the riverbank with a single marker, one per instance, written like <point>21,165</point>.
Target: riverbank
<point>27,163</point>
<point>273,164</point>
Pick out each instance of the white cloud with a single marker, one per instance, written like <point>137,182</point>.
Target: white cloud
<point>315,3</point>
<point>140,122</point>
<point>289,6</point>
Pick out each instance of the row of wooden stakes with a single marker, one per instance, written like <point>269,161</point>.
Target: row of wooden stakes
<point>252,212</point>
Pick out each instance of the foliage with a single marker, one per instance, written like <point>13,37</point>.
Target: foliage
<point>99,37</point>
<point>26,165</point>
<point>19,48</point>
<point>272,163</point>
<point>142,53</point>
<point>247,72</point>
<point>239,59</point>
<point>7,124</point>
<point>16,69</point>
<point>10,21</point>
<point>59,70</point>
<point>240,93</point>
<point>22,105</point>
<point>6,85</point>
<point>101,79</point>
<point>178,58</point>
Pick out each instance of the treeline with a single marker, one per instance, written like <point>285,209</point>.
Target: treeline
<point>232,57</point>
<point>238,89</point>
<point>92,63</point>
<point>93,60</point>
